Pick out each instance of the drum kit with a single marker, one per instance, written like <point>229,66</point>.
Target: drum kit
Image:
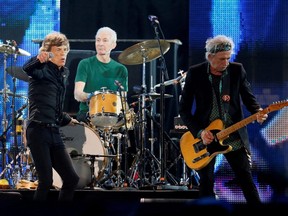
<point>16,124</point>
<point>97,149</point>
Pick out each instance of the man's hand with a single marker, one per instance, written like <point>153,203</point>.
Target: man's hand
<point>73,122</point>
<point>207,137</point>
<point>261,117</point>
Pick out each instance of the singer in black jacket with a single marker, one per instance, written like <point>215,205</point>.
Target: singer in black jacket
<point>48,76</point>
<point>216,89</point>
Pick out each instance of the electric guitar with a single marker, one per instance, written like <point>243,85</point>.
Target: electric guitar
<point>197,155</point>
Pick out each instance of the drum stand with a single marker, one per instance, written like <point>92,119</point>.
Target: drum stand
<point>4,120</point>
<point>112,178</point>
<point>15,116</point>
<point>94,181</point>
<point>145,167</point>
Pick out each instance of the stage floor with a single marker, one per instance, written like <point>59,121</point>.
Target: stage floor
<point>125,202</point>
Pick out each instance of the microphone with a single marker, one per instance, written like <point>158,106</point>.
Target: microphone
<point>173,81</point>
<point>169,82</point>
<point>117,83</point>
<point>51,55</point>
<point>153,19</point>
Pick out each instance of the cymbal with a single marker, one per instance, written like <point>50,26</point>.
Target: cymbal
<point>145,51</point>
<point>18,73</point>
<point>9,93</point>
<point>5,48</point>
<point>154,95</point>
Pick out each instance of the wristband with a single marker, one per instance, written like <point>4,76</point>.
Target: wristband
<point>90,96</point>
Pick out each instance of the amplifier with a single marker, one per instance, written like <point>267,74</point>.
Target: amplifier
<point>179,125</point>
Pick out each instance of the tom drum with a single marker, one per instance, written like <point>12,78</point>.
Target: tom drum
<point>105,108</point>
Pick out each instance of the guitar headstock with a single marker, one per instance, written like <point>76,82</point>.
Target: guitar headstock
<point>277,105</point>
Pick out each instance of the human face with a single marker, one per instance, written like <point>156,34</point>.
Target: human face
<point>220,60</point>
<point>104,43</point>
<point>59,55</point>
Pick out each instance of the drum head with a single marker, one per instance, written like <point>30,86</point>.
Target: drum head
<point>83,143</point>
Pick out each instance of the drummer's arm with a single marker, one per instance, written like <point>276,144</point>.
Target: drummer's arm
<point>79,94</point>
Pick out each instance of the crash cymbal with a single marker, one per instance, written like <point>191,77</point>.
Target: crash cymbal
<point>153,95</point>
<point>18,73</point>
<point>9,93</point>
<point>145,51</point>
<point>5,48</point>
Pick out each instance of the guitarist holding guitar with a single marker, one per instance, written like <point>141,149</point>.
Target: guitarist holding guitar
<point>211,101</point>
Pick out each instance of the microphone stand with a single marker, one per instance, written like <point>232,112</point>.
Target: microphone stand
<point>163,74</point>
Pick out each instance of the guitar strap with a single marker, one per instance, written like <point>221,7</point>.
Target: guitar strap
<point>226,93</point>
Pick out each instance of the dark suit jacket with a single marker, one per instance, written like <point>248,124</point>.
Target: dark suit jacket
<point>197,93</point>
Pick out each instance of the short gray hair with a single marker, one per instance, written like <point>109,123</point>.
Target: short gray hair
<point>219,43</point>
<point>108,30</point>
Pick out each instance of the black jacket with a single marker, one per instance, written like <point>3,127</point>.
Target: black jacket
<point>47,88</point>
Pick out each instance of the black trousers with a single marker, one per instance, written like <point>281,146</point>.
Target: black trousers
<point>240,163</point>
<point>48,151</point>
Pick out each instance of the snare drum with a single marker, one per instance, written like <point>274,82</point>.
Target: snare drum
<point>105,108</point>
<point>81,141</point>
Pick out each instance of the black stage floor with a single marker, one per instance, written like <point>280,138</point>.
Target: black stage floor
<point>125,201</point>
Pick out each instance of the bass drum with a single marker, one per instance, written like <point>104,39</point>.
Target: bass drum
<point>83,143</point>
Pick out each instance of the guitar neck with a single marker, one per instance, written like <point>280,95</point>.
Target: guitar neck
<point>225,132</point>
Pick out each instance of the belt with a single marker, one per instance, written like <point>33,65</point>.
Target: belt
<point>46,124</point>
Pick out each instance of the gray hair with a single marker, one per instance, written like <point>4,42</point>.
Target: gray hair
<point>108,30</point>
<point>219,43</point>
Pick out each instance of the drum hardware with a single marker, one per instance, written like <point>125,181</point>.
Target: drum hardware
<point>9,49</point>
<point>15,149</point>
<point>91,158</point>
<point>89,152</point>
<point>105,107</point>
<point>163,75</point>
<point>142,53</point>
<point>175,81</point>
<point>119,181</point>
<point>128,124</point>
<point>18,73</point>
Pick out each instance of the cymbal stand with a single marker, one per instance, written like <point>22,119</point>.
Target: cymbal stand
<point>14,120</point>
<point>138,173</point>
<point>152,138</point>
<point>126,136</point>
<point>4,119</point>
<point>3,137</point>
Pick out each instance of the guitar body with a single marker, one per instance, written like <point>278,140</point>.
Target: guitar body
<point>197,155</point>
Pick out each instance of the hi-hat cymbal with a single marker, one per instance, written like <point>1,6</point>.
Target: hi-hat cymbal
<point>18,73</point>
<point>153,95</point>
<point>5,48</point>
<point>143,52</point>
<point>9,93</point>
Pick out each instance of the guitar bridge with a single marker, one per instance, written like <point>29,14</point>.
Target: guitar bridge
<point>195,160</point>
